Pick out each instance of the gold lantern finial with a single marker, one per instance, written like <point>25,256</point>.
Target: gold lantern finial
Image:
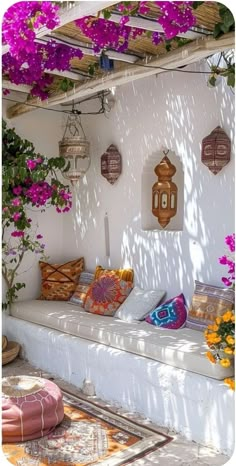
<point>164,192</point>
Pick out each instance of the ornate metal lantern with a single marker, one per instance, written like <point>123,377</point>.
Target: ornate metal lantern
<point>75,148</point>
<point>164,192</point>
<point>216,150</point>
<point>111,164</point>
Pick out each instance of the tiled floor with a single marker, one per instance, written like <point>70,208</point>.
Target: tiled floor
<point>179,452</point>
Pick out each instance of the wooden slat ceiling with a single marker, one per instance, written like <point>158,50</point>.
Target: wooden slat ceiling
<point>142,47</point>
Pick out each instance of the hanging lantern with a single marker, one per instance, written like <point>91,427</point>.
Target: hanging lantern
<point>164,192</point>
<point>111,164</point>
<point>75,148</point>
<point>216,150</point>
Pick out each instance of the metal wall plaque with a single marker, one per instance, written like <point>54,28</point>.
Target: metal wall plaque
<point>216,150</point>
<point>111,164</point>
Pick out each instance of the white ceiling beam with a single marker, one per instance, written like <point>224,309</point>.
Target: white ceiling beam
<point>67,15</point>
<point>16,87</point>
<point>87,48</point>
<point>154,26</point>
<point>195,51</point>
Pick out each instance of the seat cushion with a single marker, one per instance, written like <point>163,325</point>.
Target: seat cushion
<point>183,348</point>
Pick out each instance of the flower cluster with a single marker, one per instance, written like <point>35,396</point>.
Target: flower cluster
<point>220,338</point>
<point>107,34</point>
<point>177,17</point>
<point>28,59</point>
<point>229,260</point>
<point>22,19</point>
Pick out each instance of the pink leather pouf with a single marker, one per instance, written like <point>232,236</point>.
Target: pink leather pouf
<point>31,408</point>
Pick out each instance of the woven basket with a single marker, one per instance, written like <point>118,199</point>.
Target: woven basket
<point>10,353</point>
<point>4,342</point>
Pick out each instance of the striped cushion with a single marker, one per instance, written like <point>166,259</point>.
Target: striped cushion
<point>124,274</point>
<point>59,280</point>
<point>208,302</point>
<point>85,280</point>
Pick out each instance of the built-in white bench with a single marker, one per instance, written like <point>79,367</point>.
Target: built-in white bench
<point>160,373</point>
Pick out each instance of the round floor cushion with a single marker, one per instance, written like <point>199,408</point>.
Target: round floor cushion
<point>31,408</point>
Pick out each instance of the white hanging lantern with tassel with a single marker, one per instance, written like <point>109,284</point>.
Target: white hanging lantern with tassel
<point>75,148</point>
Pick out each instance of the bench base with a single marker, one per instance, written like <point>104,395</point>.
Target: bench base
<point>198,407</point>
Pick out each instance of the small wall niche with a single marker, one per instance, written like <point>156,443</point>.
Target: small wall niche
<point>148,220</point>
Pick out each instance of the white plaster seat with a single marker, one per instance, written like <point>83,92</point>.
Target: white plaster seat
<point>199,407</point>
<point>183,348</point>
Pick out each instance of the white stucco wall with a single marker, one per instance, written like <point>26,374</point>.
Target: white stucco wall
<point>177,111</point>
<point>173,110</point>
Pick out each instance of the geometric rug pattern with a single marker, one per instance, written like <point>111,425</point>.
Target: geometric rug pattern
<point>88,435</point>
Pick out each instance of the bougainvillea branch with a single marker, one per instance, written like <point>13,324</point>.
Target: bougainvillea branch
<point>29,180</point>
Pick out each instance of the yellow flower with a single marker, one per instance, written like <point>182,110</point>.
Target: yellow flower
<point>210,356</point>
<point>233,319</point>
<point>225,362</point>
<point>216,340</point>
<point>230,383</point>
<point>227,316</point>
<point>218,320</point>
<point>230,340</point>
<point>228,350</point>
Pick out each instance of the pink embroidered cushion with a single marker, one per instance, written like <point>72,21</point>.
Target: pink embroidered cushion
<point>31,408</point>
<point>106,294</point>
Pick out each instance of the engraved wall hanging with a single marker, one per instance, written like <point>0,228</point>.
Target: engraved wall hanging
<point>111,164</point>
<point>216,150</point>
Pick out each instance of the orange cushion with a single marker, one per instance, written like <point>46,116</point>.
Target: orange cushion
<point>123,274</point>
<point>59,280</point>
<point>106,294</point>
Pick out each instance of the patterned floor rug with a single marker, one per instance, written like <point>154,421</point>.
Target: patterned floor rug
<point>88,435</point>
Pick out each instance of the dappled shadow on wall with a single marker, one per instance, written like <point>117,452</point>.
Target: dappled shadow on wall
<point>168,259</point>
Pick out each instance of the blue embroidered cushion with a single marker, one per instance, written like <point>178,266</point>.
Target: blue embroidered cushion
<point>172,314</point>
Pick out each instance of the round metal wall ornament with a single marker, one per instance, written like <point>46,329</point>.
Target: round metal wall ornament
<point>111,164</point>
<point>216,150</point>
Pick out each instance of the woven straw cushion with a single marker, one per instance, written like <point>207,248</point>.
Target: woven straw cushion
<point>172,314</point>
<point>106,294</point>
<point>79,295</point>
<point>208,302</point>
<point>124,274</point>
<point>59,280</point>
<point>31,408</point>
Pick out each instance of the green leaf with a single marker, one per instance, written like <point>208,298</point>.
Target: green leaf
<point>212,81</point>
<point>217,31</point>
<point>228,19</point>
<point>195,5</point>
<point>106,14</point>
<point>231,80</point>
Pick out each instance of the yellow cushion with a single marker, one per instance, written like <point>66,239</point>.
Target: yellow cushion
<point>59,280</point>
<point>124,274</point>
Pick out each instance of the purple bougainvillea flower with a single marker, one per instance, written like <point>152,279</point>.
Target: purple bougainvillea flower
<point>39,236</point>
<point>31,164</point>
<point>16,216</point>
<point>17,233</point>
<point>16,202</point>
<point>17,190</point>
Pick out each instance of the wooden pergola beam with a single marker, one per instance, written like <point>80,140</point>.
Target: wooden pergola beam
<point>190,53</point>
<point>16,87</point>
<point>67,15</point>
